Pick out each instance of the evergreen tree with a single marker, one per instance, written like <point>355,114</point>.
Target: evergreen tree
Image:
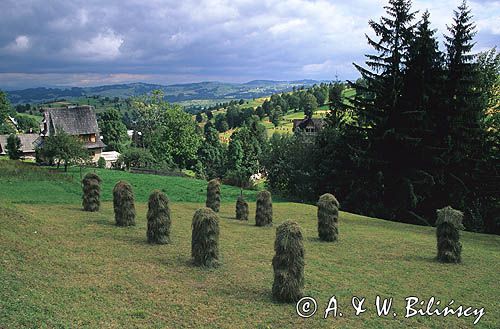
<point>209,115</point>
<point>418,127</point>
<point>379,105</point>
<point>14,147</point>
<point>466,146</point>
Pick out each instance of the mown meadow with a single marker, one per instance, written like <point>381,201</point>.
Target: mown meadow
<point>61,267</point>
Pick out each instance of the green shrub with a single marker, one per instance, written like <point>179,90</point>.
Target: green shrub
<point>135,157</point>
<point>101,163</point>
<point>123,204</point>
<point>158,218</point>
<point>328,216</point>
<point>288,263</point>
<point>241,208</point>
<point>448,223</point>
<point>205,238</point>
<point>91,185</point>
<point>213,195</point>
<point>264,210</point>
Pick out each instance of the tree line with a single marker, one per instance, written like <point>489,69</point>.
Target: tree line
<point>420,133</point>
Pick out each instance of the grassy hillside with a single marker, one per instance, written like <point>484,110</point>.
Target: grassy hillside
<point>24,183</point>
<point>62,267</point>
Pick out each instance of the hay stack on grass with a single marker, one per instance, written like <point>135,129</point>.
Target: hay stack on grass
<point>288,263</point>
<point>264,210</point>
<point>213,195</point>
<point>328,216</point>
<point>241,208</point>
<point>158,218</point>
<point>205,238</point>
<point>91,185</point>
<point>449,222</point>
<point>123,204</point>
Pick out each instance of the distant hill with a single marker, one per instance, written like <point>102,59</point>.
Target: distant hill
<point>173,93</point>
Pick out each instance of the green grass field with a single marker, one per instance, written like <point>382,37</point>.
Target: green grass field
<point>65,268</point>
<point>55,186</point>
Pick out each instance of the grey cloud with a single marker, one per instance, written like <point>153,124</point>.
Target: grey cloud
<point>171,41</point>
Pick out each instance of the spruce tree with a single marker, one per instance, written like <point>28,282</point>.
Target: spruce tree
<point>421,124</point>
<point>158,217</point>
<point>378,103</point>
<point>466,148</point>
<point>91,185</point>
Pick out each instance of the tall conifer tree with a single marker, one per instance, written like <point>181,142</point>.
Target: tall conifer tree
<point>466,146</point>
<point>379,104</point>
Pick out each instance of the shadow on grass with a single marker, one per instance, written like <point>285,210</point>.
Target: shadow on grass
<point>318,240</point>
<point>246,292</point>
<point>140,240</point>
<point>231,218</point>
<point>418,258</point>
<point>105,222</point>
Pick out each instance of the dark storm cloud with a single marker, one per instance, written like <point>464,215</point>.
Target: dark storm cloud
<point>94,42</point>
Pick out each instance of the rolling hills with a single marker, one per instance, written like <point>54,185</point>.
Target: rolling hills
<point>174,93</point>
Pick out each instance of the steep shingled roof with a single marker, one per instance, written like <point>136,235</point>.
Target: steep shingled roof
<point>78,120</point>
<point>26,143</point>
<point>303,123</point>
<point>74,120</point>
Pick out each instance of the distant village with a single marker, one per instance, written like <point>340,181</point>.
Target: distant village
<point>77,121</point>
<point>81,121</point>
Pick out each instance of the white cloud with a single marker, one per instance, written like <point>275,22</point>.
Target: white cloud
<point>104,46</point>
<point>291,26</point>
<point>317,68</point>
<point>20,44</point>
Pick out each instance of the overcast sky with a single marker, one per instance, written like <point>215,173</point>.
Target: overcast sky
<point>80,43</point>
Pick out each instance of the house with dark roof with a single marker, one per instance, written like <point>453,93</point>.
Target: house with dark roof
<point>27,145</point>
<point>309,126</point>
<point>77,121</point>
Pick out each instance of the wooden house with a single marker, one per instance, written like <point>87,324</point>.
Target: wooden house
<point>77,121</point>
<point>309,126</point>
<point>27,145</point>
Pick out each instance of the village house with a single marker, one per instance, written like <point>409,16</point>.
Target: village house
<point>310,126</point>
<point>27,145</point>
<point>77,121</point>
